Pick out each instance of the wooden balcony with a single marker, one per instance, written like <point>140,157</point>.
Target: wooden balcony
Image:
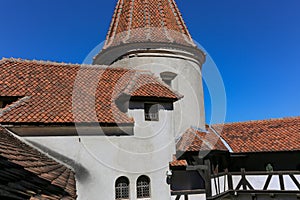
<point>255,183</point>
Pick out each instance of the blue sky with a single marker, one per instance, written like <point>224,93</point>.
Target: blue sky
<point>255,44</point>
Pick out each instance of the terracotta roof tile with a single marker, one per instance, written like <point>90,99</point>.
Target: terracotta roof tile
<point>178,163</point>
<point>262,136</point>
<point>67,93</point>
<point>147,20</point>
<point>28,160</point>
<point>197,140</point>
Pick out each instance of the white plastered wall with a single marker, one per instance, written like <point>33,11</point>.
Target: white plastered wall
<point>100,160</point>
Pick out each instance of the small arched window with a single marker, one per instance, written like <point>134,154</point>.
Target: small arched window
<point>122,188</point>
<point>143,187</point>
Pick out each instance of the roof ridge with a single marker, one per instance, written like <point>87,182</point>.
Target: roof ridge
<point>15,104</point>
<point>114,24</point>
<point>261,120</point>
<point>136,76</point>
<point>63,64</point>
<point>226,144</point>
<point>163,15</point>
<point>53,63</point>
<point>129,25</point>
<point>43,62</point>
<point>203,139</point>
<point>37,61</point>
<point>208,139</point>
<point>159,80</point>
<point>180,18</point>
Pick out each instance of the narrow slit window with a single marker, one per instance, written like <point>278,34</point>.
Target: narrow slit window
<point>151,112</point>
<point>7,100</point>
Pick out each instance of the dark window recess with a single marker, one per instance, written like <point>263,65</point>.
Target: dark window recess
<point>122,188</point>
<point>151,112</point>
<point>4,101</point>
<point>186,180</point>
<point>143,187</point>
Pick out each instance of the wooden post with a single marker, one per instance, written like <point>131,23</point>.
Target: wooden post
<point>295,180</point>
<point>230,182</point>
<point>208,178</point>
<point>267,182</point>
<point>244,182</point>
<point>243,179</point>
<point>281,181</point>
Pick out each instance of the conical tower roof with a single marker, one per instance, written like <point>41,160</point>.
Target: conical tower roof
<point>140,21</point>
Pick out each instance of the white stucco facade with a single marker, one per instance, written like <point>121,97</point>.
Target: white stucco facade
<point>99,160</point>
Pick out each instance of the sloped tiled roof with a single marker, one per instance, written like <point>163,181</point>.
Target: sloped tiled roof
<point>67,93</point>
<point>197,140</point>
<point>25,172</point>
<point>147,21</point>
<point>262,136</point>
<point>178,163</point>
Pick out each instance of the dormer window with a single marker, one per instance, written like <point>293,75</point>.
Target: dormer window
<point>7,100</point>
<point>151,112</point>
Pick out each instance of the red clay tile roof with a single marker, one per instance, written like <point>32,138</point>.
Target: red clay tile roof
<point>52,92</point>
<point>196,140</point>
<point>147,21</point>
<point>178,163</point>
<point>262,136</point>
<point>27,172</point>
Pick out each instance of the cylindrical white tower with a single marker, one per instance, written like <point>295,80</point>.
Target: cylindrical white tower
<point>151,35</point>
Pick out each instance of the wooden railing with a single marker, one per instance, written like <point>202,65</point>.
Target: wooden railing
<point>255,182</point>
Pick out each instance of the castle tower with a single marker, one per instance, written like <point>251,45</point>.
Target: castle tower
<point>151,35</point>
